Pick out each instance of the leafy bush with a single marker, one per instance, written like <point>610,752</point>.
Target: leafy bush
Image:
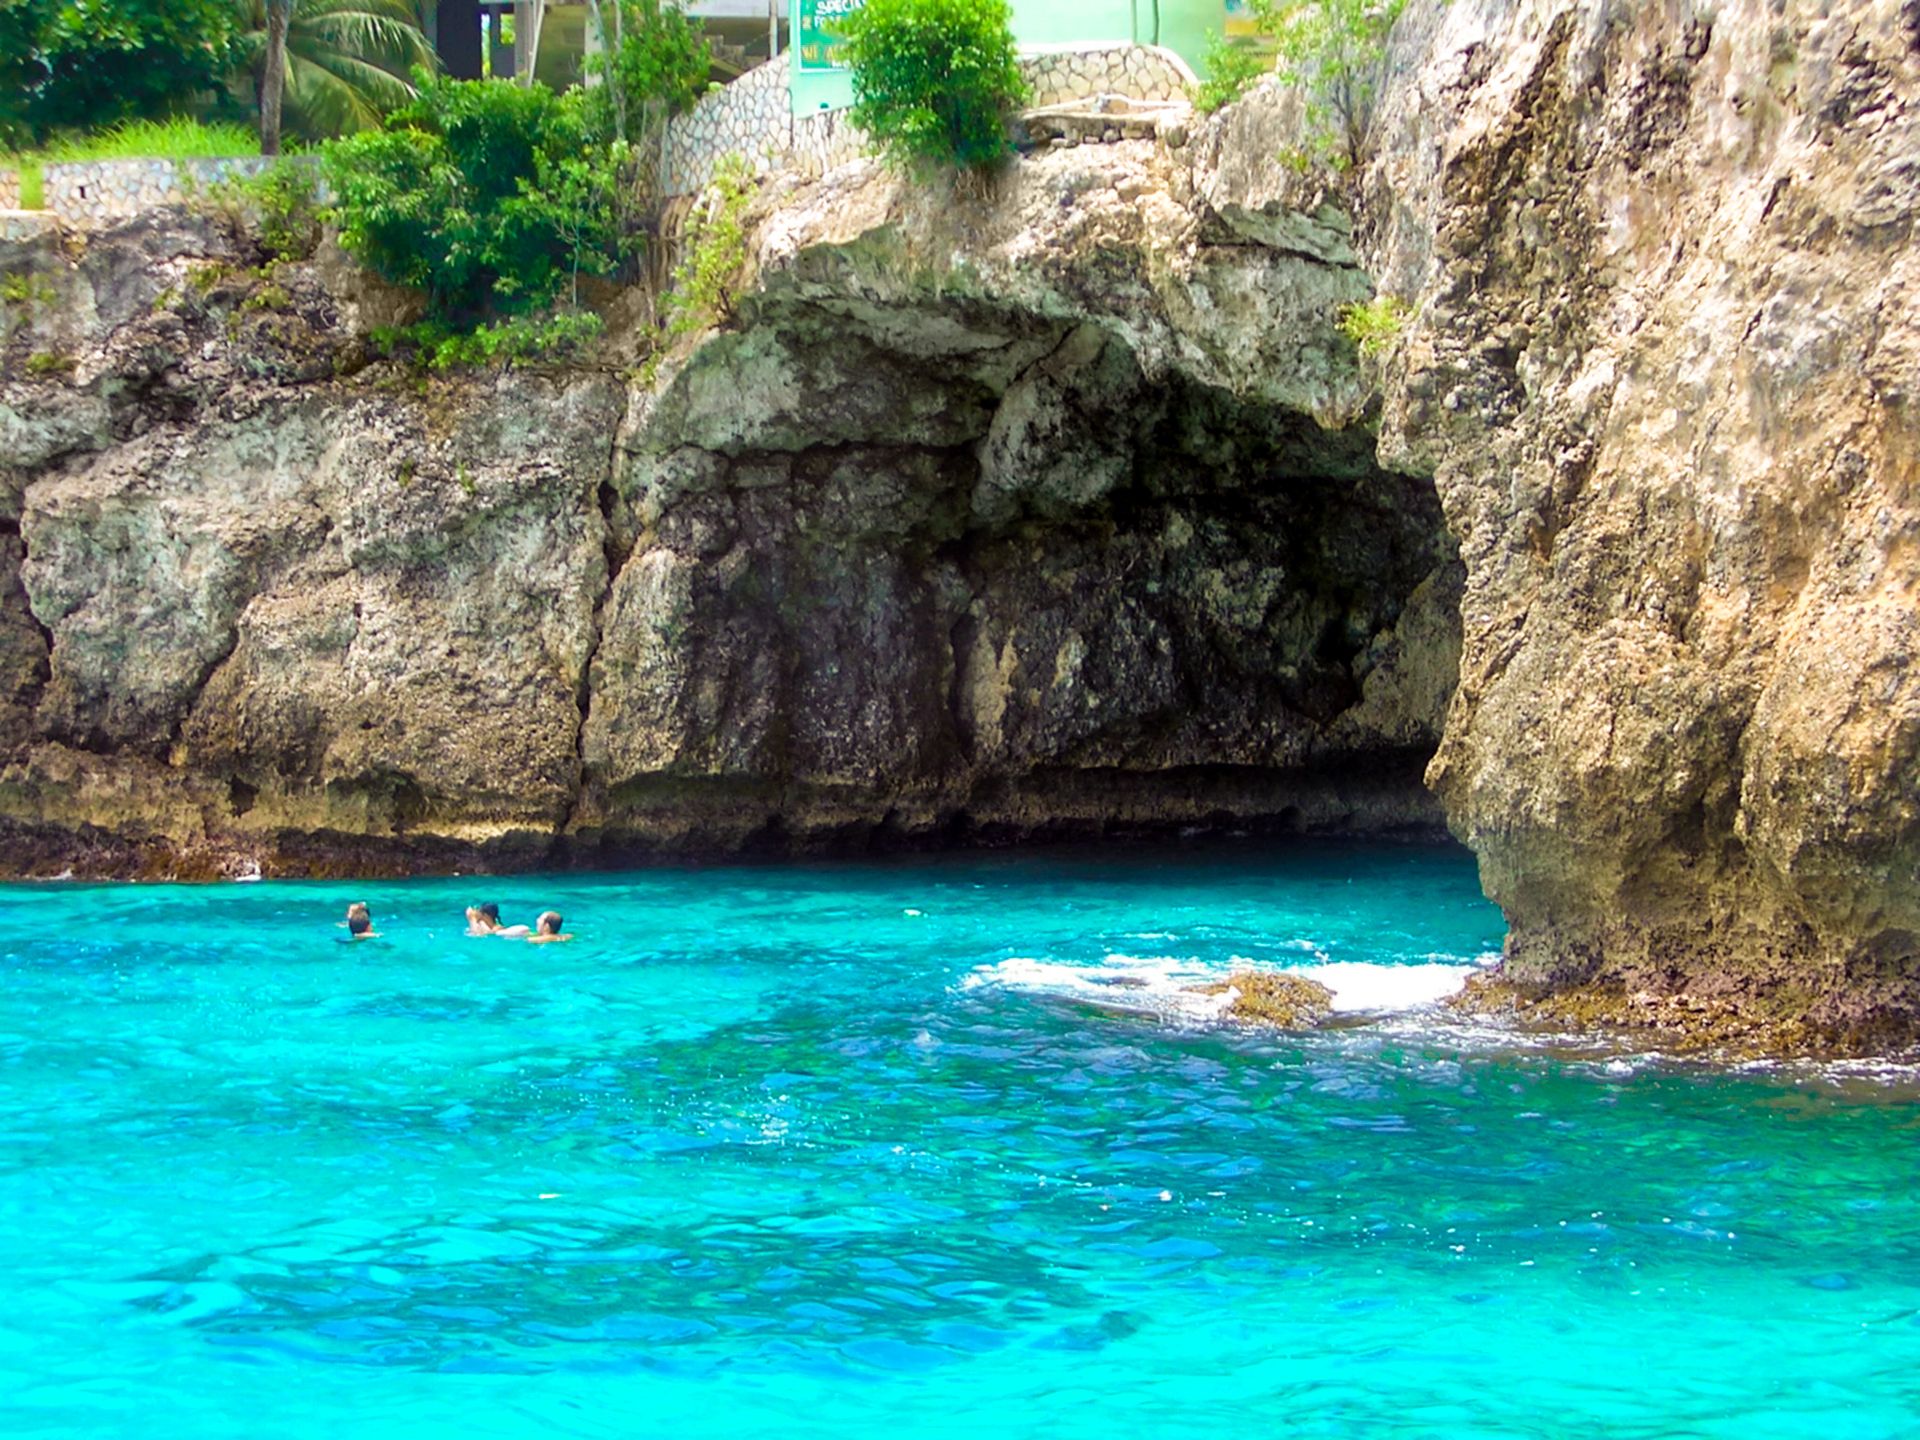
<point>65,64</point>
<point>1333,50</point>
<point>1374,325</point>
<point>716,250</point>
<point>523,337</point>
<point>934,80</point>
<point>490,197</point>
<point>281,204</point>
<point>654,66</point>
<point>1231,71</point>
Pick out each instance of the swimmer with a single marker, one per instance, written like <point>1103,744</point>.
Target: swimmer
<point>360,922</point>
<point>485,920</point>
<point>548,930</point>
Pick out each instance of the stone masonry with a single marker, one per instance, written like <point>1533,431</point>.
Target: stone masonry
<point>753,117</point>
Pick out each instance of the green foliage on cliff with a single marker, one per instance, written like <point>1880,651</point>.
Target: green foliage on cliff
<point>517,340</point>
<point>490,197</point>
<point>1231,71</point>
<point>1331,50</point>
<point>653,67</point>
<point>934,81</point>
<point>279,205</point>
<point>1334,50</point>
<point>1374,325</point>
<point>715,243</point>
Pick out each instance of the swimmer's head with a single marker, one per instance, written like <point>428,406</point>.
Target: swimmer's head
<point>550,923</point>
<point>359,924</point>
<point>489,912</point>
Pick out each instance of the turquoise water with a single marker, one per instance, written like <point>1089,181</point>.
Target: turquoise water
<point>940,1147</point>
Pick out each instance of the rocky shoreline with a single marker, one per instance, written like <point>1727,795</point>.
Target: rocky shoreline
<point>1065,509</point>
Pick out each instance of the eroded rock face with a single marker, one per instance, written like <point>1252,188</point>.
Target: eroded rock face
<point>1043,511</point>
<point>1664,372</point>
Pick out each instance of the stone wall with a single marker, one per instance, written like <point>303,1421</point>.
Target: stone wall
<point>753,117</point>
<point>9,190</point>
<point>1139,72</point>
<point>25,226</point>
<point>92,193</point>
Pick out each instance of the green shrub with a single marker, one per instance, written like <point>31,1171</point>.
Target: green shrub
<point>934,81</point>
<point>716,250</point>
<point>1374,325</point>
<point>1333,50</point>
<point>490,197</point>
<point>657,69</point>
<point>1231,70</point>
<point>65,64</point>
<point>548,337</point>
<point>281,204</point>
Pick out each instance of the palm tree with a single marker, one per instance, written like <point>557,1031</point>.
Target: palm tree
<point>346,60</point>
<point>273,74</point>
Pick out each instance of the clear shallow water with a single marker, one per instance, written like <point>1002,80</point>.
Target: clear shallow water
<point>863,1151</point>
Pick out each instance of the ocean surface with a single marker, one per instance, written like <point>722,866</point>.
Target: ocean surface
<point>940,1147</point>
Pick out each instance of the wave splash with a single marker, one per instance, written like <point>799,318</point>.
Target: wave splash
<point>1171,986</point>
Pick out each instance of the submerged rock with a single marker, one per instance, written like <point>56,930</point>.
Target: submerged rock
<point>1274,997</point>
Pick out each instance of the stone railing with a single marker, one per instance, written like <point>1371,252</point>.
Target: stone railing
<point>9,189</point>
<point>753,117</point>
<point>87,194</point>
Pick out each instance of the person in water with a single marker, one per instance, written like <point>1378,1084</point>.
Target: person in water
<point>548,929</point>
<point>485,920</point>
<point>360,922</point>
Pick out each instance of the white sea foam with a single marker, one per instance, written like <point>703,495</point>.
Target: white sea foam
<point>1360,986</point>
<point>1169,985</point>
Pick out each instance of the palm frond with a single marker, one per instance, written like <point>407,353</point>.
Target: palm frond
<point>347,60</point>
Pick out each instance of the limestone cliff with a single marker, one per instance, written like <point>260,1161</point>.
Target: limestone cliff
<point>1052,509</point>
<point>1664,370</point>
<point>1062,506</point>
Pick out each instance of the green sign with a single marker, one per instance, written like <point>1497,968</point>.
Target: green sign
<point>819,44</point>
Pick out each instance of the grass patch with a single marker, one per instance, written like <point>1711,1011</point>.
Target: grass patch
<point>154,140</point>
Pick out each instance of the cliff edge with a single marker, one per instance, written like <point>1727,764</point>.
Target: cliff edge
<point>1663,369</point>
<point>1048,509</point>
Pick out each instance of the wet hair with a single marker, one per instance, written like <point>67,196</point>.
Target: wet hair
<point>359,924</point>
<point>550,923</point>
<point>492,912</point>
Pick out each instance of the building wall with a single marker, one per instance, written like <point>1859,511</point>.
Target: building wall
<point>1182,26</point>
